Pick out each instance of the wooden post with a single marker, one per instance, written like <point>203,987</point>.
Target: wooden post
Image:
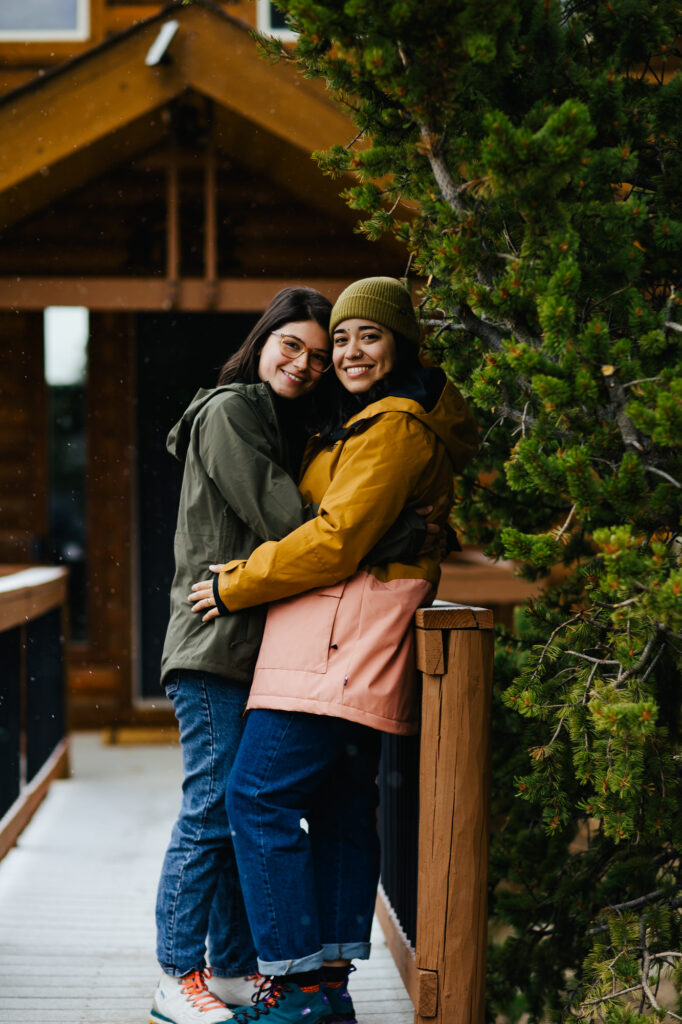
<point>173,268</point>
<point>454,654</point>
<point>210,213</point>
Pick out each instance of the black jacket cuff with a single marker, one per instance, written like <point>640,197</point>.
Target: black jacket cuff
<point>219,603</point>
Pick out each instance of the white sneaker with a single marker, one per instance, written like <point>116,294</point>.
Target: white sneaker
<point>187,1000</point>
<point>234,991</point>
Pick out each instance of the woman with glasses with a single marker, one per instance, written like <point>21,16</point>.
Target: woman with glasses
<point>241,444</point>
<point>336,666</point>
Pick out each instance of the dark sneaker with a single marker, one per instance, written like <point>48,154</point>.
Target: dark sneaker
<point>341,1009</point>
<point>281,1002</point>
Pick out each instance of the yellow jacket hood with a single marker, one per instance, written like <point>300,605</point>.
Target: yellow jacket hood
<point>430,398</point>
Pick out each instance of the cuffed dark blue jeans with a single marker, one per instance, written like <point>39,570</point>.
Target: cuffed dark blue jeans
<point>309,895</point>
<point>199,894</point>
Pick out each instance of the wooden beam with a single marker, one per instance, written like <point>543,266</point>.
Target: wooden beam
<point>113,86</point>
<point>172,224</point>
<point>81,166</point>
<point>223,62</point>
<point>210,212</point>
<point>110,482</point>
<point>233,295</point>
<point>81,103</point>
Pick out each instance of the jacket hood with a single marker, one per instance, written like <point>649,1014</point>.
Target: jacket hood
<point>430,397</point>
<point>177,441</point>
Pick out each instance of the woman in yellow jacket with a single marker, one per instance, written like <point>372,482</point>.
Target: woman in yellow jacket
<point>336,666</point>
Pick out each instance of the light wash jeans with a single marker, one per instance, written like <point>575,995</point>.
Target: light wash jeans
<point>309,896</point>
<point>199,895</point>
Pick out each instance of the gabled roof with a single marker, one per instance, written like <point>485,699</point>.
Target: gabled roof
<point>66,127</point>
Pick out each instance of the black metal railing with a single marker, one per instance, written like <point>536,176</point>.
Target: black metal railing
<point>399,827</point>
<point>10,717</point>
<point>32,688</point>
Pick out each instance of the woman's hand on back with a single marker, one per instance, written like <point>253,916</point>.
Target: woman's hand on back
<point>435,534</point>
<point>202,598</point>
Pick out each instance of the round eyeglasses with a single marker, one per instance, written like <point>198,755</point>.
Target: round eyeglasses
<point>292,347</point>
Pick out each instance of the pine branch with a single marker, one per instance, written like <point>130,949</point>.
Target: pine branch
<point>661,472</point>
<point>431,147</point>
<point>613,995</point>
<point>641,901</point>
<point>641,664</point>
<point>480,328</point>
<point>618,400</point>
<point>596,661</point>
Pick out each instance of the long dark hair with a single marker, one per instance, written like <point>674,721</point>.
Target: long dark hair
<point>347,405</point>
<point>288,306</point>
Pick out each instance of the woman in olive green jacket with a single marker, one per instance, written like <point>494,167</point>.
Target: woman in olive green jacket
<point>240,445</point>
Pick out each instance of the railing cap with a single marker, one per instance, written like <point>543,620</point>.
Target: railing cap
<point>33,577</point>
<point>27,593</point>
<point>445,615</point>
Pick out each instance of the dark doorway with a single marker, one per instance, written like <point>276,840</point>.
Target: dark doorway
<point>177,353</point>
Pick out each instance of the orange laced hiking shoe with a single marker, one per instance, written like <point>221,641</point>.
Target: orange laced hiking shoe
<point>187,1000</point>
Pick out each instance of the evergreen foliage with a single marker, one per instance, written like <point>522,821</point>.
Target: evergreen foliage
<point>527,153</point>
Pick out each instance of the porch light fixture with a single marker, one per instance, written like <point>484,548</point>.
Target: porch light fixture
<point>158,51</point>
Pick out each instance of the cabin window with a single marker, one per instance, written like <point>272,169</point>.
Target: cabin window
<point>272,21</point>
<point>48,20</point>
<point>66,331</point>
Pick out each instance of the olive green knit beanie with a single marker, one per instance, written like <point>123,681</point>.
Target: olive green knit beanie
<point>381,299</point>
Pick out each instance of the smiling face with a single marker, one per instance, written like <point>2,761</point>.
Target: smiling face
<point>291,378</point>
<point>363,353</point>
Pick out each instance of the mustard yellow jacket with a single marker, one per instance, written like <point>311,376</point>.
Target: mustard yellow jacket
<point>346,648</point>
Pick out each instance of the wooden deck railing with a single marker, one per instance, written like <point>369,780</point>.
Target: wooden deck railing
<point>33,743</point>
<point>435,803</point>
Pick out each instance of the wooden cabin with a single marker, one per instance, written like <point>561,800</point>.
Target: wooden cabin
<point>156,190</point>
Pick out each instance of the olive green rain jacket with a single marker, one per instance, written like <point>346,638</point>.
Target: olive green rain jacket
<point>234,497</point>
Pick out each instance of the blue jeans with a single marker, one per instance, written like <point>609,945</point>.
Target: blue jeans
<point>199,895</point>
<point>309,896</point>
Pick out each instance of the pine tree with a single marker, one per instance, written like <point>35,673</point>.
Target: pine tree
<point>528,155</point>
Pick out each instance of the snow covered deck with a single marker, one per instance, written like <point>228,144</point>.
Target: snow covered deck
<point>77,897</point>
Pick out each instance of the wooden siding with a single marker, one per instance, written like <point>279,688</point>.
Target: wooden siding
<point>23,433</point>
<point>101,670</point>
<point>275,215</point>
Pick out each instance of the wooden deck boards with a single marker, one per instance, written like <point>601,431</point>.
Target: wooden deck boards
<point>77,897</point>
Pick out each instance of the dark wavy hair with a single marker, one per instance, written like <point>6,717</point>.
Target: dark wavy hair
<point>288,306</point>
<point>347,405</point>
